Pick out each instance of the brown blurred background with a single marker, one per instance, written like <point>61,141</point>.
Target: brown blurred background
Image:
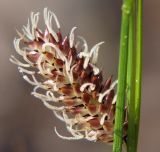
<point>25,124</point>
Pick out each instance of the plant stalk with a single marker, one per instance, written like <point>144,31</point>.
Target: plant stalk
<point>122,72</point>
<point>131,68</point>
<point>138,76</point>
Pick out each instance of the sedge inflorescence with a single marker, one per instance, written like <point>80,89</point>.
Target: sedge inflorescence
<point>66,79</point>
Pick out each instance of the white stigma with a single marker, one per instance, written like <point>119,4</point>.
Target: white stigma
<point>71,37</point>
<point>85,85</point>
<point>102,95</point>
<point>48,21</point>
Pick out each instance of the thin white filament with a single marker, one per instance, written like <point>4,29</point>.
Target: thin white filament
<point>17,62</point>
<point>68,138</point>
<point>71,37</point>
<point>102,95</point>
<point>91,85</point>
<point>48,21</point>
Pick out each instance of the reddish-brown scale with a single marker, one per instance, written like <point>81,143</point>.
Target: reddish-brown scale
<point>59,62</point>
<point>75,76</point>
<point>93,108</point>
<point>39,39</point>
<point>79,67</point>
<point>100,80</point>
<point>61,78</point>
<point>66,90</point>
<point>106,138</point>
<point>106,84</point>
<point>69,102</point>
<point>51,39</point>
<point>86,97</point>
<point>83,76</point>
<point>103,108</point>
<point>94,95</point>
<point>57,77</point>
<point>39,33</point>
<point>95,80</point>
<point>112,113</point>
<point>77,110</point>
<point>59,34</point>
<point>54,72</point>
<point>94,123</point>
<point>66,47</point>
<point>33,57</point>
<point>72,53</point>
<point>108,100</point>
<point>49,55</point>
<point>34,45</point>
<point>76,88</point>
<point>108,126</point>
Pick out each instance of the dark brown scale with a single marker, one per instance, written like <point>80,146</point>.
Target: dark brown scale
<point>72,53</point>
<point>65,46</point>
<point>79,66</point>
<point>110,96</point>
<point>52,39</point>
<point>97,80</point>
<point>85,75</point>
<point>106,84</point>
<point>59,34</point>
<point>108,100</point>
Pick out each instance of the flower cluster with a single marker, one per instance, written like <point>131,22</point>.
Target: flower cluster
<point>66,79</point>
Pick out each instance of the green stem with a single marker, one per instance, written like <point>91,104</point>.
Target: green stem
<point>131,84</point>
<point>122,71</point>
<point>138,67</point>
<point>134,75</point>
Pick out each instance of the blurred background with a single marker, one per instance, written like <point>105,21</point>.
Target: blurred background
<point>25,124</point>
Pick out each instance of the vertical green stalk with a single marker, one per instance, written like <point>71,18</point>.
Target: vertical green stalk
<point>138,66</point>
<point>131,142</point>
<point>122,71</point>
<point>130,67</point>
<point>134,79</point>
